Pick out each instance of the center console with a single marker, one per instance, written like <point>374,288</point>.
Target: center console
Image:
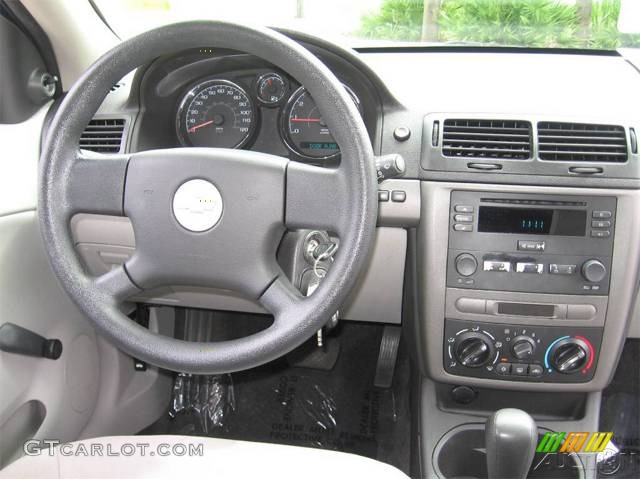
<point>524,287</point>
<point>520,292</point>
<point>544,246</point>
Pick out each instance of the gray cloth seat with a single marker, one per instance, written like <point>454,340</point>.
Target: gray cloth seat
<point>161,457</point>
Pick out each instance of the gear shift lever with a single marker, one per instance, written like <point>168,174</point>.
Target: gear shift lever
<point>510,438</point>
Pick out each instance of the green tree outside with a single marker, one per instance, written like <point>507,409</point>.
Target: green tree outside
<point>528,23</point>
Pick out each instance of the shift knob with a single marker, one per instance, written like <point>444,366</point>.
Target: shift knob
<point>510,436</point>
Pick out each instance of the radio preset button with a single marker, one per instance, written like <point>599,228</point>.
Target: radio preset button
<point>601,214</point>
<point>497,266</point>
<point>530,245</point>
<point>463,227</point>
<point>601,224</point>
<point>463,218</point>
<point>562,268</point>
<point>537,268</point>
<point>463,209</point>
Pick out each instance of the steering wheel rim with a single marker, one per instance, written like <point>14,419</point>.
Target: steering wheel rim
<point>289,195</point>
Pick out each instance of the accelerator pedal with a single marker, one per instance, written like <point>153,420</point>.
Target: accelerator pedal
<point>387,356</point>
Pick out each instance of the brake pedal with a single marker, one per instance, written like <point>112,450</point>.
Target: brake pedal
<point>387,356</point>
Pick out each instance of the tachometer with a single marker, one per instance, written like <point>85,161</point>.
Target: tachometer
<point>216,113</point>
<point>304,130</point>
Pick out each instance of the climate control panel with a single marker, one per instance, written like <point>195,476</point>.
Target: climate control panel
<point>521,353</point>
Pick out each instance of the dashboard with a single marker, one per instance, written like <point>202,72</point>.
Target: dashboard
<point>503,249</point>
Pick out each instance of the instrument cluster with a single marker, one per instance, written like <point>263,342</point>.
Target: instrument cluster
<point>223,112</point>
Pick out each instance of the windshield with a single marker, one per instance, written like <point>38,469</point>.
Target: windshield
<point>591,24</point>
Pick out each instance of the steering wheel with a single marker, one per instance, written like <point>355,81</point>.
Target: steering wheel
<point>208,217</point>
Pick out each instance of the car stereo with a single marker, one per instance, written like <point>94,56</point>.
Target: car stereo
<point>533,243</point>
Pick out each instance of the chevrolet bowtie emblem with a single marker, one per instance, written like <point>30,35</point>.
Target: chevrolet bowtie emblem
<point>197,205</point>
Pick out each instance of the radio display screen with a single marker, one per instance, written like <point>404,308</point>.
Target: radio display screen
<point>535,221</point>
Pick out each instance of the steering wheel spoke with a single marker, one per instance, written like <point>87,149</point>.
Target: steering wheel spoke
<point>279,296</point>
<point>117,284</point>
<point>317,198</point>
<point>96,184</point>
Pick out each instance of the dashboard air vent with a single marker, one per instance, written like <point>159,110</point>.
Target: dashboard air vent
<point>491,139</point>
<point>103,136</point>
<point>581,142</point>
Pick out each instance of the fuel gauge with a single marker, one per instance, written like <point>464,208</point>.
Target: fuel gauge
<point>271,88</point>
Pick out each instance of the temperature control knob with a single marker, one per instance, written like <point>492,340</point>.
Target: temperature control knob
<point>594,271</point>
<point>473,349</point>
<point>569,355</point>
<point>523,347</point>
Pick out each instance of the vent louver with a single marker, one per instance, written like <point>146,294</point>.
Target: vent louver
<point>491,139</point>
<point>103,136</point>
<point>581,142</point>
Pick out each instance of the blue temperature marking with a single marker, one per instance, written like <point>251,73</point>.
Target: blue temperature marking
<point>546,354</point>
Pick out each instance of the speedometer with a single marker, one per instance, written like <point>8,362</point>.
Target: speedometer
<point>304,130</point>
<point>216,113</point>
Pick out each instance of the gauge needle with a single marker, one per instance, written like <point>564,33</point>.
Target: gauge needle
<point>305,119</point>
<point>197,127</point>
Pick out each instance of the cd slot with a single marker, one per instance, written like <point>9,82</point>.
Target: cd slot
<point>490,307</point>
<point>527,309</point>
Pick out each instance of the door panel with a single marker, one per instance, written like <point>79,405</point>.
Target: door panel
<point>30,296</point>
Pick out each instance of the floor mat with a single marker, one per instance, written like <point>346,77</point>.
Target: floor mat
<point>338,410</point>
<point>620,413</point>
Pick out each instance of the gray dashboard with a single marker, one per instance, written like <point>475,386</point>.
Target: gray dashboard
<point>419,91</point>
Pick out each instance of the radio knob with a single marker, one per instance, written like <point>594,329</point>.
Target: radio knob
<point>569,356</point>
<point>466,264</point>
<point>523,347</point>
<point>594,271</point>
<point>473,350</point>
